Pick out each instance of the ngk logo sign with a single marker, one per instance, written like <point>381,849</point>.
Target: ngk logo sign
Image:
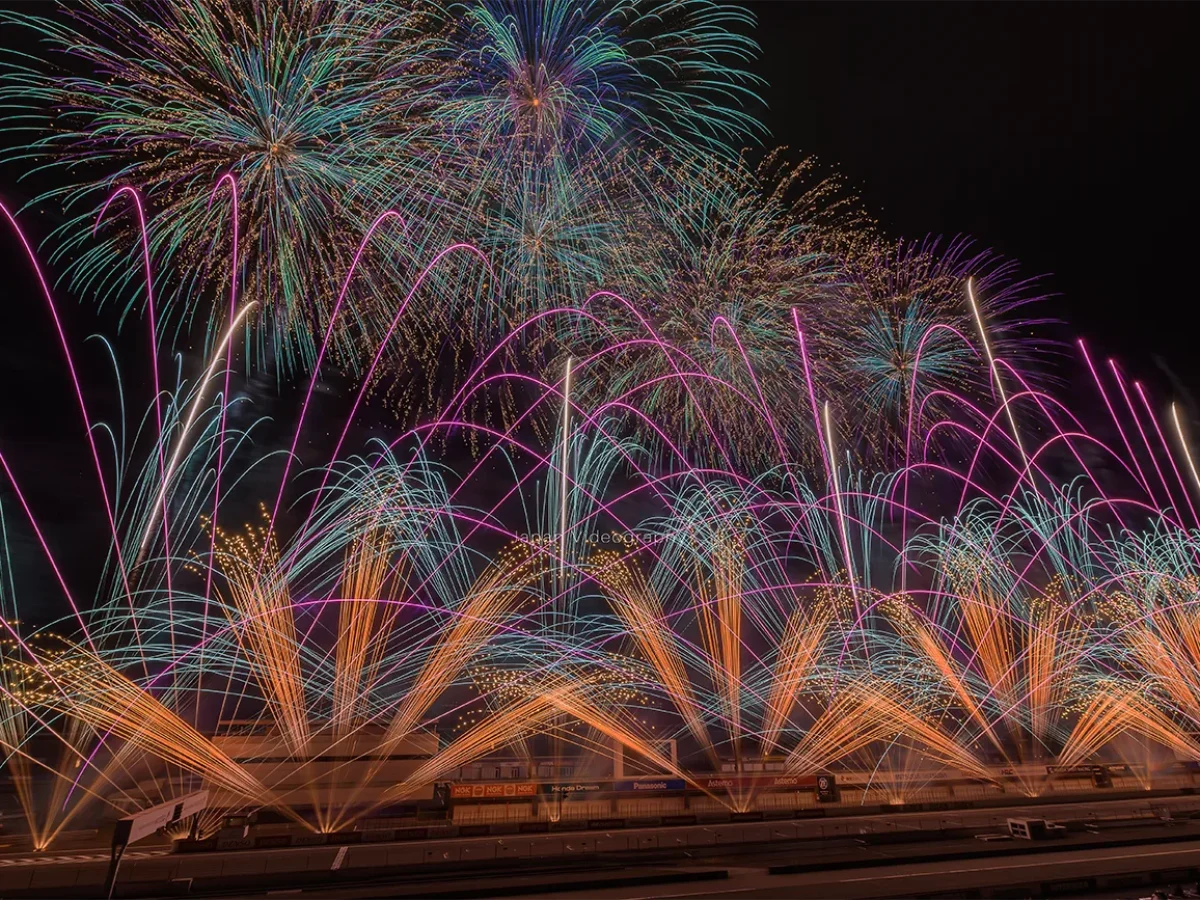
<point>498,791</point>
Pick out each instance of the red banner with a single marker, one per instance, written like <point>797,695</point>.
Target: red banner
<point>713,783</point>
<point>492,791</point>
<point>758,782</point>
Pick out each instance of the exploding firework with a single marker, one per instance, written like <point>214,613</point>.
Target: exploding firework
<point>715,530</point>
<point>517,127</point>
<point>317,110</point>
<point>812,618</point>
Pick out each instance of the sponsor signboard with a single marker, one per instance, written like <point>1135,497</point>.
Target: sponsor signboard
<point>827,789</point>
<point>857,778</point>
<point>492,791</point>
<point>1074,770</point>
<point>508,790</point>
<point>577,787</point>
<point>1179,765</point>
<point>606,823</point>
<point>652,784</point>
<point>759,782</point>
<point>1093,769</point>
<point>1101,774</point>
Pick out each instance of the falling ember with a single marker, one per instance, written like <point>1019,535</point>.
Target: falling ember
<point>1183,445</point>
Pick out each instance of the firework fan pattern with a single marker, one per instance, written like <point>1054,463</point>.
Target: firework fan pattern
<point>679,450</point>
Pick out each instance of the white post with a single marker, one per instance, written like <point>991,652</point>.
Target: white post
<point>674,745</point>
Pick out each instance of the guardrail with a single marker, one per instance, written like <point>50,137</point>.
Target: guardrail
<point>448,830</point>
<point>322,858</point>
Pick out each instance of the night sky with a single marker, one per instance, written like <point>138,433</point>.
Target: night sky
<point>1053,133</point>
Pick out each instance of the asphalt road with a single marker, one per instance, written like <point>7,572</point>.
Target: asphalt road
<point>76,847</point>
<point>903,880</point>
<point>750,878</point>
<point>870,865</point>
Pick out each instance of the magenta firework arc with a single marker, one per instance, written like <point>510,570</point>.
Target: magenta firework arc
<point>581,147</point>
<point>732,612</point>
<point>729,473</point>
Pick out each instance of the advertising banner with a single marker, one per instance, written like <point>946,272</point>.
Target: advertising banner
<point>757,782</point>
<point>827,789</point>
<point>652,784</point>
<point>711,783</point>
<point>492,791</point>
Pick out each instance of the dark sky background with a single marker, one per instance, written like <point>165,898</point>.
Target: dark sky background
<point>1055,134</point>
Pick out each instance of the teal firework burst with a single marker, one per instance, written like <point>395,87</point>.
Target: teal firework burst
<point>315,109</point>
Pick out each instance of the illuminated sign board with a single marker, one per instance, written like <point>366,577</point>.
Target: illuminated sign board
<point>492,791</point>
<point>503,790</point>
<point>653,784</point>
